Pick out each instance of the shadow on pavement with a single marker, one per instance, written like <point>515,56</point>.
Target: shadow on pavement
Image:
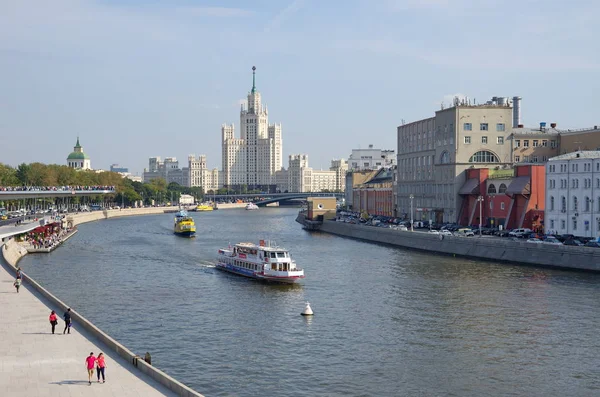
<point>70,382</point>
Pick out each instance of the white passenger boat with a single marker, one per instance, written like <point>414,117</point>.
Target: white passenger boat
<point>251,206</point>
<point>265,261</point>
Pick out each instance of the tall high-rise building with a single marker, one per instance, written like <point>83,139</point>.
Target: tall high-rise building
<point>252,159</point>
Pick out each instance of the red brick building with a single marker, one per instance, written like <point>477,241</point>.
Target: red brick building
<point>375,196</point>
<point>512,198</point>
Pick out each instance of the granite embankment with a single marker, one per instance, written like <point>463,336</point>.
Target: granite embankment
<point>494,249</point>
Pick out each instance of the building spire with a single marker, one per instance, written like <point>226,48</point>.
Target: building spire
<point>253,79</point>
<point>77,144</point>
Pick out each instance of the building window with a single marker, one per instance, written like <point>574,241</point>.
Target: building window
<point>492,189</point>
<point>526,159</point>
<point>544,143</point>
<point>552,224</point>
<point>484,156</point>
<point>467,140</point>
<point>575,204</point>
<point>551,203</point>
<point>563,204</point>
<point>483,126</point>
<point>502,188</point>
<point>517,143</point>
<point>500,127</point>
<point>536,143</point>
<point>544,158</point>
<point>484,139</point>
<point>517,159</point>
<point>500,140</point>
<point>553,143</point>
<point>563,224</point>
<point>467,126</point>
<point>526,143</point>
<point>502,206</point>
<point>445,158</point>
<point>574,224</point>
<point>587,204</point>
<point>491,205</point>
<point>535,159</point>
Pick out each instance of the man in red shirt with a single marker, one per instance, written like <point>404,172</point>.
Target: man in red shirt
<point>90,362</point>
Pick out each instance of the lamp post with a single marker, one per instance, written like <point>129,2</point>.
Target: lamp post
<point>480,200</point>
<point>411,197</point>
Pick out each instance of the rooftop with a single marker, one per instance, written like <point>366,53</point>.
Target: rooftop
<point>580,154</point>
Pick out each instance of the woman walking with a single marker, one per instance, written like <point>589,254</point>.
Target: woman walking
<point>17,284</point>
<point>100,365</point>
<point>53,320</point>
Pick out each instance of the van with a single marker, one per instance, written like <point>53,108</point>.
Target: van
<point>519,232</point>
<point>465,232</point>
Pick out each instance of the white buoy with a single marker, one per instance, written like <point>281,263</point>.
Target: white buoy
<point>307,310</point>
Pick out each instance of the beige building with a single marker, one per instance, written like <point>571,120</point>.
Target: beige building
<point>195,174</point>
<point>535,145</point>
<point>301,178</point>
<point>582,139</point>
<point>433,154</point>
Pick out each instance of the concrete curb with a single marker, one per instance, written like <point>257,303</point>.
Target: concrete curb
<point>138,362</point>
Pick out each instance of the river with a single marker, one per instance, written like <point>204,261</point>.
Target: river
<point>388,322</point>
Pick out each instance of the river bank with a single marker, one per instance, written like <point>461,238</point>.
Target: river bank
<point>494,249</point>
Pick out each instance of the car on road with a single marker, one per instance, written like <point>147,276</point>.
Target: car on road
<point>465,232</point>
<point>535,241</point>
<point>434,231</point>
<point>552,241</point>
<point>593,244</point>
<point>519,232</point>
<point>445,232</point>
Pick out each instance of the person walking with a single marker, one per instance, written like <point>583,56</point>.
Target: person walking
<point>53,320</point>
<point>100,365</point>
<point>90,361</point>
<point>67,317</point>
<point>17,284</point>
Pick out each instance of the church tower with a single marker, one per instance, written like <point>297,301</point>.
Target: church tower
<point>78,159</point>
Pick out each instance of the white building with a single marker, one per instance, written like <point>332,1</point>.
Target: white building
<point>194,175</point>
<point>371,159</point>
<point>303,179</point>
<point>78,159</point>
<point>573,194</point>
<point>255,157</point>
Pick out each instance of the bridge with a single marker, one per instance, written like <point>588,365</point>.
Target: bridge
<point>40,194</point>
<point>262,199</point>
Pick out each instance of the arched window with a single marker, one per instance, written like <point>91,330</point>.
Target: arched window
<point>587,204</point>
<point>445,158</point>
<point>563,204</point>
<point>502,188</point>
<point>575,206</point>
<point>551,203</point>
<point>492,189</point>
<point>484,156</point>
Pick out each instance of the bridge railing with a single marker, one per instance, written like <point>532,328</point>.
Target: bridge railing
<point>66,188</point>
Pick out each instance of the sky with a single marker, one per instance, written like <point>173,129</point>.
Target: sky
<point>135,79</point>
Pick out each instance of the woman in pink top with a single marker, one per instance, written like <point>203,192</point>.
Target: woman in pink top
<point>53,320</point>
<point>100,365</point>
<point>90,361</point>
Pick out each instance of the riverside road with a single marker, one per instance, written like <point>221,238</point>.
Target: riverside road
<point>388,322</point>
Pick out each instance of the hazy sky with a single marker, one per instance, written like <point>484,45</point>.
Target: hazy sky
<point>141,78</point>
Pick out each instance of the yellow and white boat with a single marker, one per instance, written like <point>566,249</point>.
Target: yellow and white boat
<point>184,225</point>
<point>204,207</point>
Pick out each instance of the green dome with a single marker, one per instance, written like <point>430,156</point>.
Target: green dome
<point>78,156</point>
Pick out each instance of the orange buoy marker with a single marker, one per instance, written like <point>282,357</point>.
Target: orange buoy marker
<point>307,310</point>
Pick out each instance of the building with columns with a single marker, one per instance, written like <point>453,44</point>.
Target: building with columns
<point>78,159</point>
<point>254,157</point>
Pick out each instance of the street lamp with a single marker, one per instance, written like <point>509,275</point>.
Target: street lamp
<point>411,197</point>
<point>480,200</point>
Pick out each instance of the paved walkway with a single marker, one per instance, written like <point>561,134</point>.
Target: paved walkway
<point>27,225</point>
<point>33,362</point>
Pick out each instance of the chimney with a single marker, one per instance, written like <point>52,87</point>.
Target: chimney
<point>516,111</point>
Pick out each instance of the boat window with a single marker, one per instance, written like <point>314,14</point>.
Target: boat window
<point>273,255</point>
<point>281,255</point>
<point>274,266</point>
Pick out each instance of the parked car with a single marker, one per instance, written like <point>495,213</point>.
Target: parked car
<point>402,228</point>
<point>519,232</point>
<point>535,241</point>
<point>573,241</point>
<point>445,232</point>
<point>503,233</point>
<point>465,232</point>
<point>552,241</point>
<point>594,244</point>
<point>434,231</point>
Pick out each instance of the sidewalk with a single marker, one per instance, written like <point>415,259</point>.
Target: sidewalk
<point>11,230</point>
<point>33,362</point>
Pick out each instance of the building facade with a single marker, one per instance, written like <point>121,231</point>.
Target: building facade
<point>434,153</point>
<point>375,196</point>
<point>508,198</point>
<point>371,159</point>
<point>118,169</point>
<point>573,194</point>
<point>301,178</point>
<point>78,159</point>
<point>255,157</point>
<point>196,174</point>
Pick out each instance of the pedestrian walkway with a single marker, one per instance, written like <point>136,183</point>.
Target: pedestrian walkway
<point>34,362</point>
<point>27,225</point>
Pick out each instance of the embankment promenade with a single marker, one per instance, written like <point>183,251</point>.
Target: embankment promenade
<point>493,249</point>
<point>34,362</point>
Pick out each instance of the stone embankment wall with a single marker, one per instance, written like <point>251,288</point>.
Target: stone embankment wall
<point>495,249</point>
